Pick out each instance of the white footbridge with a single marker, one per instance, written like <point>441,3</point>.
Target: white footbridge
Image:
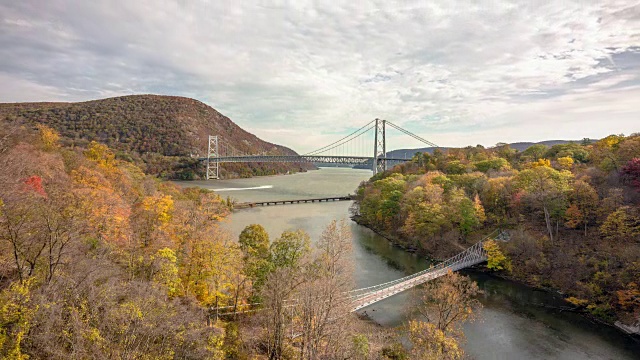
<point>363,297</point>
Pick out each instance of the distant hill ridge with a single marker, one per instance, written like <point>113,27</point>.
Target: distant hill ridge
<point>148,127</point>
<point>520,146</point>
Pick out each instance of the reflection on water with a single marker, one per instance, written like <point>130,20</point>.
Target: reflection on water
<point>513,325</point>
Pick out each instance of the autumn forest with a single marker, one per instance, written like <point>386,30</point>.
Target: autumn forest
<point>571,211</point>
<point>99,259</point>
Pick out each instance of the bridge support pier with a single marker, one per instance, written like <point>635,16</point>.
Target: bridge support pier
<point>213,166</point>
<point>379,147</point>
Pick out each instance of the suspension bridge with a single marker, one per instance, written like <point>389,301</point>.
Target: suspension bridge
<point>361,298</point>
<point>353,149</point>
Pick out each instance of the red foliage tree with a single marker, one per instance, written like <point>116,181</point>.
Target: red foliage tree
<point>34,183</point>
<point>630,173</point>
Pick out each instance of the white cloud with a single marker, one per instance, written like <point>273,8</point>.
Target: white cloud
<point>455,72</point>
<point>18,89</point>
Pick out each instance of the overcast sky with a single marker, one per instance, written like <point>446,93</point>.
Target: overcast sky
<point>302,73</point>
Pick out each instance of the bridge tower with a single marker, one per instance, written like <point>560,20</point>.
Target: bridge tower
<point>379,147</point>
<point>213,166</point>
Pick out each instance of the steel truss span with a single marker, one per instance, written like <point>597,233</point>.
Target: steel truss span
<point>346,160</point>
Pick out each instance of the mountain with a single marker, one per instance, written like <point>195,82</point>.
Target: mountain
<point>165,134</point>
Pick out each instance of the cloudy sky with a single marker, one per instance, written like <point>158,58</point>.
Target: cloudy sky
<point>302,73</point>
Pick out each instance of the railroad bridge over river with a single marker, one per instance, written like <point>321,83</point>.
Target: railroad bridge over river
<point>349,150</point>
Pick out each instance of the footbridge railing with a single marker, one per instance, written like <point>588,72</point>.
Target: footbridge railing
<point>364,297</point>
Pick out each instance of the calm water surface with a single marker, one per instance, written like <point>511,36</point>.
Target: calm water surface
<point>510,327</point>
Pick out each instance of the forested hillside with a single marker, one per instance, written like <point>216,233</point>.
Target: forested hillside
<point>572,210</point>
<point>163,134</point>
<point>100,261</point>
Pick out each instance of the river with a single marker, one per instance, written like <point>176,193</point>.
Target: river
<point>510,327</point>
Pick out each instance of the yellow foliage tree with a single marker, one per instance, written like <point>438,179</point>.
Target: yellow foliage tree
<point>445,304</point>
<point>496,259</point>
<point>159,207</point>
<point>152,216</point>
<point>16,313</point>
<point>107,214</point>
<point>167,273</point>
<point>431,343</point>
<point>48,136</point>
<point>621,225</point>
<point>209,265</point>
<point>577,301</point>
<point>449,302</point>
<point>479,209</point>
<point>610,141</point>
<point>539,163</point>
<point>101,154</point>
<point>565,163</point>
<point>604,152</point>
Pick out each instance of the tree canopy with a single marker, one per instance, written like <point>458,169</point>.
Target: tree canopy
<point>571,211</point>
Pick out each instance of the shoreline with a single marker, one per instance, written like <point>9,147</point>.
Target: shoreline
<point>620,328</point>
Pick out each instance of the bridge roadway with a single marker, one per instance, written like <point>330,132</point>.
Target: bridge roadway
<point>346,160</point>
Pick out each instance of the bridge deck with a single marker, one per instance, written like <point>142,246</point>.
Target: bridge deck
<point>347,160</point>
<point>382,294</point>
<point>245,205</point>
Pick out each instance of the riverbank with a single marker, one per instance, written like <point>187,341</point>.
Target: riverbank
<point>633,331</point>
<point>394,240</point>
<point>510,328</point>
<point>628,331</point>
<point>401,244</point>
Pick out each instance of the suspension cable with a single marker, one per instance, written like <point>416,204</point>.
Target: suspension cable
<point>335,142</point>
<point>412,134</point>
<point>228,150</point>
<point>337,145</point>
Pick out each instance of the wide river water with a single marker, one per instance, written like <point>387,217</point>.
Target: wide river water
<point>512,325</point>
